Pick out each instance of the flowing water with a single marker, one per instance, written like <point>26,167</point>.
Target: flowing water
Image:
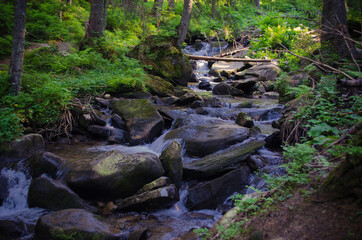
<point>178,220</point>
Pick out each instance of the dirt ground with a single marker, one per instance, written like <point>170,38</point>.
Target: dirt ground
<point>310,219</point>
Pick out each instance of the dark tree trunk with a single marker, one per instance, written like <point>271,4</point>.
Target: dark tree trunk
<point>97,19</point>
<point>213,8</point>
<point>257,3</point>
<point>157,8</point>
<point>185,21</point>
<point>171,5</point>
<point>334,28</point>
<point>17,52</point>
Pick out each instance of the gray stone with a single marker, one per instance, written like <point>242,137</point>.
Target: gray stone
<point>4,189</point>
<point>270,95</point>
<point>158,183</point>
<point>45,162</point>
<point>118,122</point>
<point>171,159</point>
<point>264,72</point>
<point>255,162</point>
<point>74,224</point>
<point>212,193</point>
<point>27,145</point>
<point>114,174</point>
<point>244,120</point>
<point>225,89</point>
<point>47,193</point>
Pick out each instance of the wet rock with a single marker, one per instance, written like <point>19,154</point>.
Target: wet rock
<point>155,199</point>
<point>207,102</point>
<point>85,120</point>
<point>159,86</point>
<point>99,117</point>
<point>74,224</point>
<point>11,229</point>
<point>139,234</point>
<point>254,131</point>
<point>166,61</point>
<point>264,72</point>
<point>4,189</point>
<point>100,131</point>
<point>47,193</point>
<point>102,102</point>
<point>229,68</point>
<point>270,95</point>
<point>171,159</point>
<point>239,75</point>
<point>170,100</point>
<point>114,174</point>
<point>210,194</point>
<point>244,120</point>
<point>245,105</point>
<point>225,89</point>
<point>118,136</point>
<point>45,162</point>
<point>26,145</point>
<point>274,140</point>
<point>118,122</point>
<point>143,121</point>
<point>220,79</point>
<point>201,140</point>
<point>185,95</point>
<point>222,161</point>
<point>247,86</point>
<point>255,162</point>
<point>205,85</point>
<point>158,183</point>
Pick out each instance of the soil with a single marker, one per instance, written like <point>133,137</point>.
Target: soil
<point>308,219</point>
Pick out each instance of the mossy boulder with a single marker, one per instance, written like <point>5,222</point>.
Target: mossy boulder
<point>158,183</point>
<point>114,175</point>
<point>26,145</point>
<point>226,69</point>
<point>159,86</point>
<point>244,120</point>
<point>201,140</point>
<point>45,162</point>
<point>225,89</point>
<point>212,193</point>
<point>171,159</point>
<point>222,161</point>
<point>143,122</point>
<point>74,224</point>
<point>264,72</point>
<point>165,60</point>
<point>47,193</point>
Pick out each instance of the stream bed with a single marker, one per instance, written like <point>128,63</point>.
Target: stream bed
<point>178,221</point>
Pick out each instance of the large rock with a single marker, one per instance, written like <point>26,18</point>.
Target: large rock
<point>225,89</point>
<point>158,183</point>
<point>74,224</point>
<point>47,193</point>
<point>201,140</point>
<point>27,145</point>
<point>114,174</point>
<point>159,198</point>
<point>171,159</point>
<point>14,228</point>
<point>4,189</point>
<point>185,95</point>
<point>244,120</point>
<point>166,61</point>
<point>248,86</point>
<point>212,193</point>
<point>264,72</point>
<point>159,86</point>
<point>143,122</point>
<point>45,162</point>
<point>228,67</point>
<point>222,161</point>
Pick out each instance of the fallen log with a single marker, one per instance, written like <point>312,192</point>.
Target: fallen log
<point>227,59</point>
<point>230,53</point>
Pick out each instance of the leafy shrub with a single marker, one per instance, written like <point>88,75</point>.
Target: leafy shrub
<point>10,126</point>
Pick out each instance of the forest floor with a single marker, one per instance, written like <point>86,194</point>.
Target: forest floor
<point>312,217</point>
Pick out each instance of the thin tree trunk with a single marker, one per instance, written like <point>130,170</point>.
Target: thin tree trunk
<point>97,19</point>
<point>334,28</point>
<point>17,52</point>
<point>171,5</point>
<point>213,8</point>
<point>157,8</point>
<point>185,22</point>
<point>257,3</point>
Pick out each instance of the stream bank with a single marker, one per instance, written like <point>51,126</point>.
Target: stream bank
<point>199,120</point>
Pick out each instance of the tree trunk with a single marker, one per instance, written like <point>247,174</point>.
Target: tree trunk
<point>257,3</point>
<point>157,8</point>
<point>97,19</point>
<point>185,21</point>
<point>334,28</point>
<point>17,52</point>
<point>171,5</point>
<point>213,8</point>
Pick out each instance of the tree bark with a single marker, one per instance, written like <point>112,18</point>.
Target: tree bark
<point>257,3</point>
<point>213,8</point>
<point>334,28</point>
<point>171,5</point>
<point>17,52</point>
<point>97,19</point>
<point>185,22</point>
<point>157,8</point>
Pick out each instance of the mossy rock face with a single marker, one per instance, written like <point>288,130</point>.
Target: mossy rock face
<point>166,61</point>
<point>74,224</point>
<point>143,122</point>
<point>26,145</point>
<point>47,193</point>
<point>159,86</point>
<point>244,120</point>
<point>171,159</point>
<point>221,161</point>
<point>114,175</point>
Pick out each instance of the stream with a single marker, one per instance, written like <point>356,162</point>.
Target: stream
<point>177,221</point>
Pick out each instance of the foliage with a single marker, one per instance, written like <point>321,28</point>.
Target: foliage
<point>10,126</point>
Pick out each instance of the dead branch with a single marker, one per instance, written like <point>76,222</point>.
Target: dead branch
<point>227,59</point>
